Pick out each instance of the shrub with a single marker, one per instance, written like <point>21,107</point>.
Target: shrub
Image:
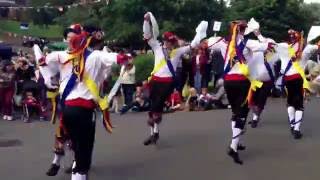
<point>144,65</point>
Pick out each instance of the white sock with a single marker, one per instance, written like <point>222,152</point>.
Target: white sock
<point>78,176</point>
<point>235,133</point>
<point>255,117</point>
<point>56,160</point>
<point>298,119</point>
<point>74,164</point>
<point>155,128</point>
<point>291,114</point>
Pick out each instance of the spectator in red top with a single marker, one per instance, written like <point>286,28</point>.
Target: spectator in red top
<point>199,63</point>
<point>174,102</point>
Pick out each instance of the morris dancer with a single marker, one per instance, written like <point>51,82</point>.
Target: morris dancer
<point>61,138</point>
<point>80,76</point>
<point>262,70</point>
<point>167,57</point>
<point>293,56</point>
<point>237,51</point>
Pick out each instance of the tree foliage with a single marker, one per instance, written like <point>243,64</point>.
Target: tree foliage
<point>122,19</point>
<point>275,16</point>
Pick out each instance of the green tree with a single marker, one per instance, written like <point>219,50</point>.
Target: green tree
<point>275,16</point>
<point>122,19</point>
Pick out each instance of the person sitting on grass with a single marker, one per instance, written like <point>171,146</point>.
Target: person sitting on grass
<point>205,100</point>
<point>174,102</point>
<point>217,98</point>
<point>192,100</point>
<point>141,102</point>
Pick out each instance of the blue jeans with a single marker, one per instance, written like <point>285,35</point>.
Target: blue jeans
<point>197,81</point>
<point>128,90</point>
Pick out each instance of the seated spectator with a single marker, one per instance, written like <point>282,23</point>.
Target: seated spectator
<point>205,100</point>
<point>314,78</point>
<point>192,101</point>
<point>141,101</point>
<point>217,98</point>
<point>115,102</point>
<point>174,103</point>
<point>309,66</point>
<point>31,100</point>
<point>23,73</point>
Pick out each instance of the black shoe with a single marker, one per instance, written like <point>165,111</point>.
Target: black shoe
<point>235,156</point>
<point>148,141</point>
<point>253,123</point>
<point>155,138</point>
<point>53,170</point>
<point>241,147</point>
<point>292,130</point>
<point>151,139</point>
<point>68,170</point>
<point>297,134</point>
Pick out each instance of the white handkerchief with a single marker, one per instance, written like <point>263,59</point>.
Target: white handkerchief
<point>253,25</point>
<point>155,27</point>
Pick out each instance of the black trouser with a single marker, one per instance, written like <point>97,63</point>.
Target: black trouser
<point>128,90</point>
<point>159,92</point>
<point>295,93</point>
<point>80,127</point>
<point>261,95</point>
<point>216,78</point>
<point>237,92</point>
<point>184,76</point>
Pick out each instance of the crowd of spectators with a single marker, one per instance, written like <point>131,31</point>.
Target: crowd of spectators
<point>198,86</point>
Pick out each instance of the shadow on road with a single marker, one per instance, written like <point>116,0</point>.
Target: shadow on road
<point>10,143</point>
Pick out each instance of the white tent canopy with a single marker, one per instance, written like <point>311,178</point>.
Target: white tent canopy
<point>313,33</point>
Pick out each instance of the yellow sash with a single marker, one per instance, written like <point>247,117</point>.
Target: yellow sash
<point>102,102</point>
<point>162,63</point>
<point>299,69</point>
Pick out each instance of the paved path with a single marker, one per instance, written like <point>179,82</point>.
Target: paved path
<point>192,147</point>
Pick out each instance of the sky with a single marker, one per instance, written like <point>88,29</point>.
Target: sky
<point>309,1</point>
<point>306,1</point>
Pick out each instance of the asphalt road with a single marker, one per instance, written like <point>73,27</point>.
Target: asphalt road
<point>192,146</point>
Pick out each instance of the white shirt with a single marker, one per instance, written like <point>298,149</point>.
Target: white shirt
<point>282,50</point>
<point>175,57</point>
<point>258,69</point>
<point>198,60</point>
<point>97,63</point>
<point>127,76</point>
<point>252,47</point>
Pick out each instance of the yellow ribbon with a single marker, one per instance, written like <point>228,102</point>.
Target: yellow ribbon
<point>52,96</point>
<point>162,63</point>
<point>254,84</point>
<point>244,69</point>
<point>298,68</point>
<point>232,46</point>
